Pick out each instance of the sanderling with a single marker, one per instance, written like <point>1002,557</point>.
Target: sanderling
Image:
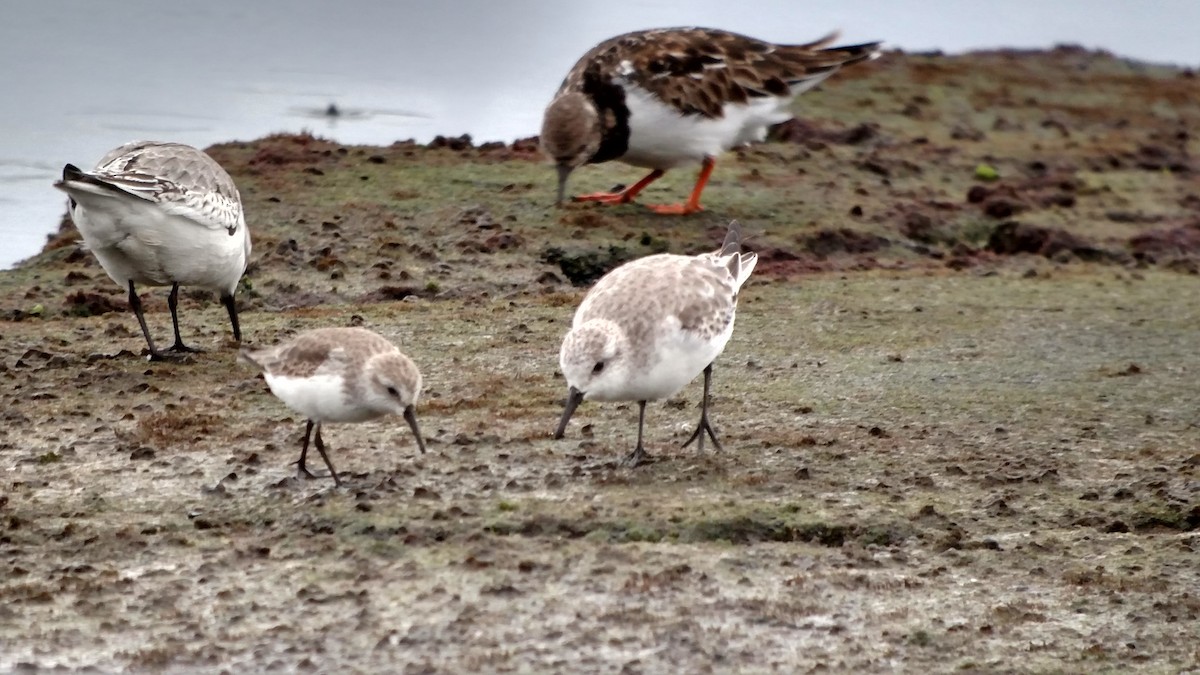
<point>162,214</point>
<point>650,326</point>
<point>340,375</point>
<point>663,98</point>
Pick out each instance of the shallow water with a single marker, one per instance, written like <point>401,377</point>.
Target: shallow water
<point>94,75</point>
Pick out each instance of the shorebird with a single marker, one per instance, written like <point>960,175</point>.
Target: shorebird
<point>340,375</point>
<point>162,214</point>
<point>649,327</point>
<point>664,98</point>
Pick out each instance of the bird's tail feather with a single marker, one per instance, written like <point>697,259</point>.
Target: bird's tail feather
<point>248,356</point>
<point>739,264</point>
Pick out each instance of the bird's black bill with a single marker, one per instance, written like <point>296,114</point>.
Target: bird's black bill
<point>410,416</point>
<point>564,170</point>
<point>574,398</point>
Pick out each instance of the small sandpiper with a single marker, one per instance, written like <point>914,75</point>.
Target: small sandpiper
<point>340,375</point>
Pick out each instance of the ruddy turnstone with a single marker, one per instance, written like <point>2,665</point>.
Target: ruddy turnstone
<point>650,326</point>
<point>162,214</point>
<point>340,375</point>
<point>664,98</point>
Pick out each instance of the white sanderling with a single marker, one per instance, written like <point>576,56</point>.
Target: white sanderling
<point>162,214</point>
<point>650,326</point>
<point>664,98</point>
<point>340,375</point>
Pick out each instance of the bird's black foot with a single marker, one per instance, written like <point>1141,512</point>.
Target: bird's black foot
<point>168,356</point>
<point>180,348</point>
<point>302,470</point>
<point>304,473</point>
<point>698,435</point>
<point>636,458</point>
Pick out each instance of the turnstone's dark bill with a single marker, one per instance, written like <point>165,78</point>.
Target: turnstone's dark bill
<point>162,214</point>
<point>664,98</point>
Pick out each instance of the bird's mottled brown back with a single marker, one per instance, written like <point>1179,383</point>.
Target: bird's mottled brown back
<point>640,295</point>
<point>168,173</point>
<point>177,167</point>
<point>698,70</point>
<point>322,350</point>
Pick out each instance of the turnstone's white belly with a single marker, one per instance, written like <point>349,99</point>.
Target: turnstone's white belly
<point>661,137</point>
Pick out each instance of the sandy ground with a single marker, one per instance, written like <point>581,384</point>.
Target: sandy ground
<point>960,415</point>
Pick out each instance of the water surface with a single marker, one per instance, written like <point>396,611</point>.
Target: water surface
<point>80,77</point>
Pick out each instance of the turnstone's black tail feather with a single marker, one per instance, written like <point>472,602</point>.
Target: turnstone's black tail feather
<point>805,61</point>
<point>804,67</point>
<point>855,53</point>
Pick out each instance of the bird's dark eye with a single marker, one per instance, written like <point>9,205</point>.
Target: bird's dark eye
<point>599,367</point>
<point>392,392</point>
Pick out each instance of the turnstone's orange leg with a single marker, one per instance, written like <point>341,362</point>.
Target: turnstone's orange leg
<point>624,196</point>
<point>693,202</point>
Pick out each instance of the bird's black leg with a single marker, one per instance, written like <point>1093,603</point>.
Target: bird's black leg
<point>173,303</point>
<point>227,300</point>
<point>704,426</point>
<point>301,468</point>
<point>638,456</point>
<point>135,303</point>
<point>321,449</point>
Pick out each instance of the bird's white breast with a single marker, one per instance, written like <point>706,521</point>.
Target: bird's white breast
<point>320,397</point>
<point>660,137</point>
<point>676,357</point>
<point>682,355</point>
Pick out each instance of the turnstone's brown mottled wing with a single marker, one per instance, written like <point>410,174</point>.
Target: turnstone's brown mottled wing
<point>699,70</point>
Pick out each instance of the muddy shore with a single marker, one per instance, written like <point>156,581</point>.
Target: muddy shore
<point>960,410</point>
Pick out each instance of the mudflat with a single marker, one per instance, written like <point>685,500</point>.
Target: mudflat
<point>960,416</point>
